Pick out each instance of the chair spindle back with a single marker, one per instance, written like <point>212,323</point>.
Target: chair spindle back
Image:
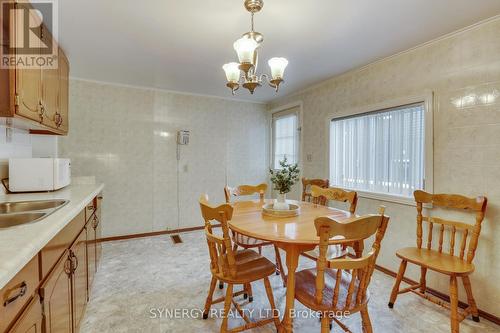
<point>336,194</point>
<point>361,269</point>
<point>222,261</point>
<point>307,183</point>
<point>245,190</point>
<point>469,232</point>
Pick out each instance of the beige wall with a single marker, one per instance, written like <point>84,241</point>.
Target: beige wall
<point>126,137</point>
<point>466,140</point>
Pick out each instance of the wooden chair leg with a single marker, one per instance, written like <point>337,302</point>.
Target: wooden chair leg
<point>208,302</point>
<point>423,273</point>
<point>279,265</point>
<point>260,250</point>
<point>454,304</point>
<point>269,292</point>
<point>235,247</point>
<point>227,306</point>
<point>325,324</point>
<point>399,278</point>
<point>365,318</point>
<point>470,298</point>
<point>249,291</point>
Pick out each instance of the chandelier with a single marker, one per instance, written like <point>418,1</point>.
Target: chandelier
<point>245,72</point>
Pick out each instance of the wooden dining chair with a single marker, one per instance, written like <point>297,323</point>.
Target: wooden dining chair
<point>321,196</point>
<point>247,242</point>
<point>306,188</point>
<point>457,263</point>
<point>341,285</point>
<point>233,267</point>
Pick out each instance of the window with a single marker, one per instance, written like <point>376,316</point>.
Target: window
<point>285,137</point>
<point>381,151</point>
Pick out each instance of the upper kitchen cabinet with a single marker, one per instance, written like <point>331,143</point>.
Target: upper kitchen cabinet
<point>34,94</point>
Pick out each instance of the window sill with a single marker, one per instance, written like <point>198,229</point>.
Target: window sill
<point>399,199</point>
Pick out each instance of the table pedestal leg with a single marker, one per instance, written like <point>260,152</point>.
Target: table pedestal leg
<point>292,260</point>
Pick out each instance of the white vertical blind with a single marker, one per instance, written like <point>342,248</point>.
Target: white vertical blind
<point>380,151</point>
<point>285,138</point>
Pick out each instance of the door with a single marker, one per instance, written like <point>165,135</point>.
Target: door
<point>286,143</point>
<point>28,81</point>
<point>30,320</point>
<point>91,256</point>
<point>62,120</point>
<point>50,89</point>
<point>56,297</point>
<point>78,255</point>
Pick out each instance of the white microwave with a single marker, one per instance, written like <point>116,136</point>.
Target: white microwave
<point>38,174</point>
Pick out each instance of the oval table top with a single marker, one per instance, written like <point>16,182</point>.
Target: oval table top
<point>248,220</point>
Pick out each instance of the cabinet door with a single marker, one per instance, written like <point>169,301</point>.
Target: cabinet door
<point>56,297</point>
<point>98,231</point>
<point>28,81</point>
<point>78,254</point>
<point>30,320</point>
<point>63,118</point>
<point>50,89</point>
<point>91,267</point>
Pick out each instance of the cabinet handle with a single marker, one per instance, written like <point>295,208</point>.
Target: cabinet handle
<point>22,291</point>
<point>95,223</point>
<point>76,262</point>
<point>58,119</point>
<point>67,265</point>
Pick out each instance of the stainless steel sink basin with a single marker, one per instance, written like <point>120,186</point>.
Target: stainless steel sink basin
<point>30,206</point>
<point>11,220</point>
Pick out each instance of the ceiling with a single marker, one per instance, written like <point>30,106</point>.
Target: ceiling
<point>181,45</point>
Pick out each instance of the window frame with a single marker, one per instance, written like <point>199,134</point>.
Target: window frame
<point>427,100</point>
<point>283,109</point>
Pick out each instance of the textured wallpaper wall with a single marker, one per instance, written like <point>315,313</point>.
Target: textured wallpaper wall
<point>460,70</point>
<point>126,137</point>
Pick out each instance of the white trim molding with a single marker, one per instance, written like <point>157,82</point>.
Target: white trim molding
<point>428,99</point>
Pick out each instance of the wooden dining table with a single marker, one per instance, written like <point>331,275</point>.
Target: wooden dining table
<point>294,235</point>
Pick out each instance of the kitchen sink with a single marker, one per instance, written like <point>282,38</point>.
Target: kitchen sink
<point>11,220</point>
<point>30,206</point>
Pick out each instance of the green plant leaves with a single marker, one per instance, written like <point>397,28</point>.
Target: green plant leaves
<point>284,178</point>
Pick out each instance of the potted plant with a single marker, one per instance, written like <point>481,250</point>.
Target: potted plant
<point>283,179</point>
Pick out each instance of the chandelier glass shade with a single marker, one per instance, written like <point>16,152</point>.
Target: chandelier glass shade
<point>245,72</point>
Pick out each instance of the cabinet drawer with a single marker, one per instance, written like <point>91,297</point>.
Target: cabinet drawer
<point>51,253</point>
<point>30,320</point>
<point>17,292</point>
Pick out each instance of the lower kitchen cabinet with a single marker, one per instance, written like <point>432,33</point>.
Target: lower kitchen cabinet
<point>31,319</point>
<point>56,297</point>
<point>50,293</point>
<point>91,254</point>
<point>78,255</point>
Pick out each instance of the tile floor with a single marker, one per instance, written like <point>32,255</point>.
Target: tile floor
<point>141,282</point>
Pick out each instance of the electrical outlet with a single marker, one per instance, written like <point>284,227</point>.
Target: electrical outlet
<point>309,157</point>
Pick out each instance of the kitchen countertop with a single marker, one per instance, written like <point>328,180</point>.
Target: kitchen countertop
<point>19,244</point>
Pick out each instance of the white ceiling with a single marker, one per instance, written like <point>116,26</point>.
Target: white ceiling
<point>181,45</point>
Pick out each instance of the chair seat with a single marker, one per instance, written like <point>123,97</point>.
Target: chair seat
<point>248,242</point>
<point>333,252</point>
<point>440,262</point>
<point>250,266</point>
<point>305,290</point>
